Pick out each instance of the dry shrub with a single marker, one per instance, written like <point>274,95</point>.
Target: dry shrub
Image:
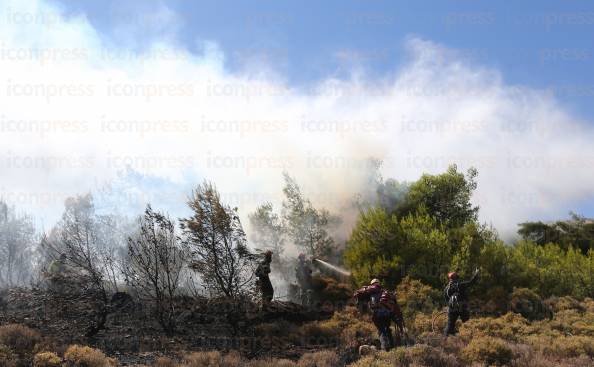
<point>423,323</point>
<point>394,358</point>
<point>510,327</point>
<point>319,359</point>
<point>329,290</point>
<point>82,356</point>
<point>212,359</point>
<point>570,346</point>
<point>570,322</point>
<point>279,330</point>
<point>271,363</point>
<point>581,361</point>
<point>488,350</point>
<point>353,328</point>
<point>47,359</point>
<point>20,339</point>
<point>558,304</point>
<point>588,304</point>
<point>7,358</point>
<point>450,344</point>
<point>319,333</point>
<point>164,362</point>
<point>429,356</point>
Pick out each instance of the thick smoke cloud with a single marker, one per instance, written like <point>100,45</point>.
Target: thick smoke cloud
<point>78,112</point>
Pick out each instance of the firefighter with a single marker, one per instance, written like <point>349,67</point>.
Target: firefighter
<point>303,274</point>
<point>385,310</point>
<point>263,274</point>
<point>455,294</point>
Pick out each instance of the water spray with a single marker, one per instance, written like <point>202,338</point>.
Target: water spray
<point>334,267</point>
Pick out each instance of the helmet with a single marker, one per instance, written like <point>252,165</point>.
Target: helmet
<point>375,281</point>
<point>453,275</point>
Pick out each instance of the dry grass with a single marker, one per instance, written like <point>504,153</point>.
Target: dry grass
<point>20,339</point>
<point>212,359</point>
<point>164,362</point>
<point>218,359</point>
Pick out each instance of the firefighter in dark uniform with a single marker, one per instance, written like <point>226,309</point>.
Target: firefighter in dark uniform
<point>455,294</point>
<point>263,274</point>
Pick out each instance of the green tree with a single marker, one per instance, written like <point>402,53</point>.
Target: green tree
<point>446,197</point>
<point>307,226</point>
<point>576,231</point>
<point>382,246</point>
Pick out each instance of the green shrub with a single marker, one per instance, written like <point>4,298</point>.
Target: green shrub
<point>489,350</point>
<point>414,297</point>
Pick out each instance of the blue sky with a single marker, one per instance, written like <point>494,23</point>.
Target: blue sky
<point>542,44</point>
<point>315,88</point>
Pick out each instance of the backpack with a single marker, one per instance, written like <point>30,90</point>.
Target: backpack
<point>387,299</point>
<point>452,295</point>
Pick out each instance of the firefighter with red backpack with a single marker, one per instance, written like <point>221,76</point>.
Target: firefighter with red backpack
<point>385,310</point>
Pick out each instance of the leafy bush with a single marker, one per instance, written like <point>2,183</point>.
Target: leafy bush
<point>489,350</point>
<point>82,356</point>
<point>20,339</point>
<point>414,296</point>
<point>529,304</point>
<point>47,359</point>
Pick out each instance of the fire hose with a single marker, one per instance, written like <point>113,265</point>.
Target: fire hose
<point>437,315</point>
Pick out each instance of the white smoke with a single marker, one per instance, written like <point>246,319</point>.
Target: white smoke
<point>77,110</point>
